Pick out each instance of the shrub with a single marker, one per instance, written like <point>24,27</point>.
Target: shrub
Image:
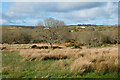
<point>58,42</point>
<point>74,45</point>
<point>70,45</point>
<point>91,37</point>
<point>16,36</point>
<point>70,40</point>
<point>96,38</point>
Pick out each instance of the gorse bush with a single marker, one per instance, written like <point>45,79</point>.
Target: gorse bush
<point>74,45</point>
<point>70,40</point>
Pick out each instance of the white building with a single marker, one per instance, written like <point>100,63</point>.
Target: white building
<point>83,27</point>
<point>46,28</point>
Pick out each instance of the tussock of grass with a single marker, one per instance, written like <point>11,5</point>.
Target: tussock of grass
<point>103,62</point>
<point>36,54</point>
<point>97,54</point>
<point>61,64</point>
<point>94,61</point>
<point>80,66</point>
<point>99,60</point>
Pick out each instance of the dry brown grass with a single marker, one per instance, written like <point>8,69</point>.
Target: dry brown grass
<point>98,60</point>
<point>6,70</point>
<point>60,64</point>
<point>45,54</point>
<point>81,65</point>
<point>98,54</point>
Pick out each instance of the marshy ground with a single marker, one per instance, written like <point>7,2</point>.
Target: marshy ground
<point>22,61</point>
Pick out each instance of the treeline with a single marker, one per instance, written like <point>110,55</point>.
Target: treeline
<point>96,38</point>
<point>37,35</point>
<point>16,36</point>
<point>91,38</point>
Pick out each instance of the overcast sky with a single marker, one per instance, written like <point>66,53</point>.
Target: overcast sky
<point>29,13</point>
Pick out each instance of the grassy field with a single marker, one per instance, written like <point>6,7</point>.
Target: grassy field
<point>15,66</point>
<point>87,53</point>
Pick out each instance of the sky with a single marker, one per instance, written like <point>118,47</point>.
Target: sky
<point>72,13</point>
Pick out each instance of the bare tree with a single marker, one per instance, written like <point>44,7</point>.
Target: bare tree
<point>40,23</point>
<point>52,31</point>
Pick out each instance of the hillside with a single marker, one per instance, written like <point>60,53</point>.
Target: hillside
<point>13,27</point>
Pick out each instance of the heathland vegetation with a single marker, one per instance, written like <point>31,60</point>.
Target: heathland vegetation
<point>54,50</point>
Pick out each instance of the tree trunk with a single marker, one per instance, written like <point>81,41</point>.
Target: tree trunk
<point>51,45</point>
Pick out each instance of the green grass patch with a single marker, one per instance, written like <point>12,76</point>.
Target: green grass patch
<point>15,67</point>
<point>74,45</point>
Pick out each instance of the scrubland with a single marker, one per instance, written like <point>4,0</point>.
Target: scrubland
<point>88,53</point>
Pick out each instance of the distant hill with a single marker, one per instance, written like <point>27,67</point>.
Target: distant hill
<point>30,27</point>
<point>16,26</point>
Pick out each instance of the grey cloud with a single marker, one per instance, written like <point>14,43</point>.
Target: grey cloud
<point>30,7</point>
<point>69,12</point>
